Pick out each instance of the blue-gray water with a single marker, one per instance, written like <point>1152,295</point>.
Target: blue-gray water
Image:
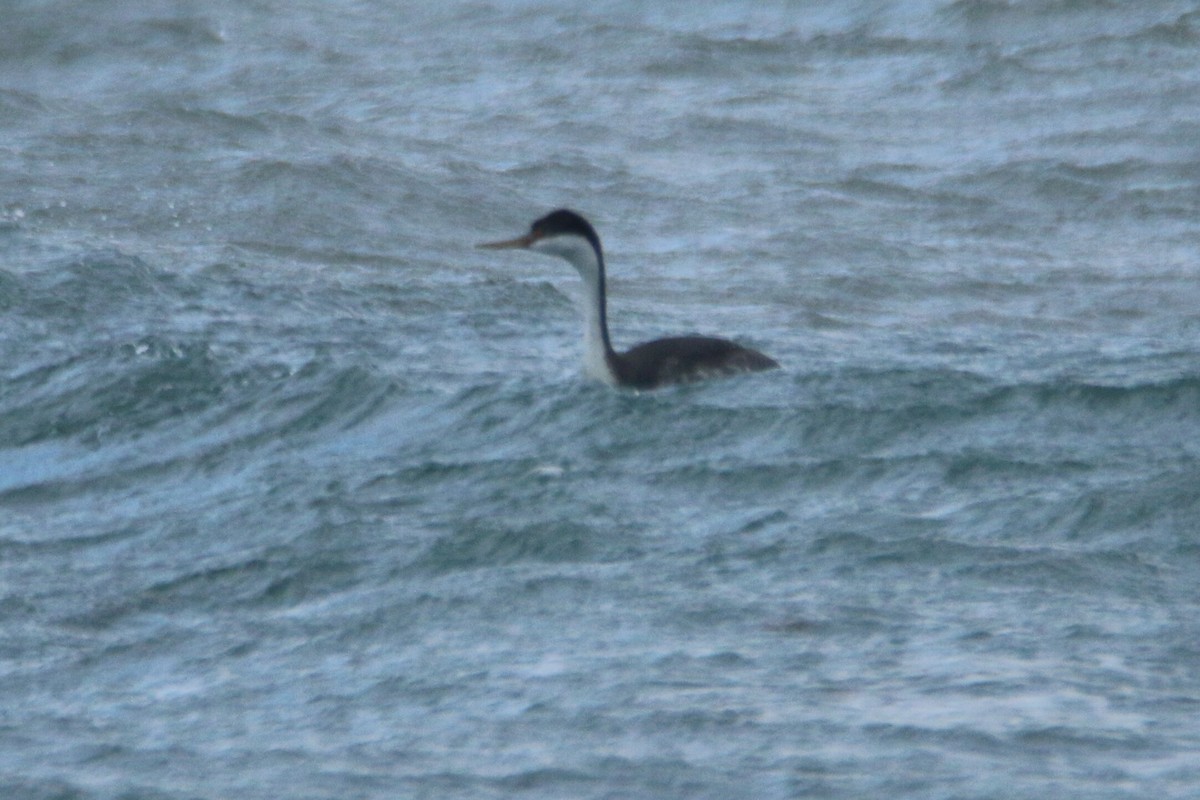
<point>301,496</point>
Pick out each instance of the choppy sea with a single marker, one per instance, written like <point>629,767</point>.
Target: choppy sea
<point>302,496</point>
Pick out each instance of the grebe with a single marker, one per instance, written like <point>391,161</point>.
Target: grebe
<point>679,359</point>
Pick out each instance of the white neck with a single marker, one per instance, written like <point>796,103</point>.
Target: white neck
<point>588,263</point>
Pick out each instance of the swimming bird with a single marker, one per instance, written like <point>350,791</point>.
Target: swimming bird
<point>678,359</point>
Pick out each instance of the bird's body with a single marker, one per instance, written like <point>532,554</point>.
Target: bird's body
<point>680,359</point>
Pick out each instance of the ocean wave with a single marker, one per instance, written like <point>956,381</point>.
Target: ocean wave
<point>66,33</point>
<point>95,284</point>
<point>1061,190</point>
